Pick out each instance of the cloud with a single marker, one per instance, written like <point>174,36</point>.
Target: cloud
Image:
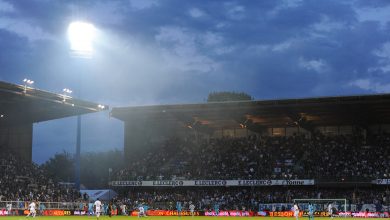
<point>327,25</point>
<point>285,4</point>
<point>282,46</point>
<point>379,14</point>
<point>196,13</point>
<point>372,3</point>
<point>6,7</point>
<point>102,12</point>
<point>24,29</point>
<point>370,85</point>
<point>180,47</point>
<point>383,55</point>
<point>235,11</point>
<point>316,65</point>
<point>211,39</point>
<point>143,4</point>
<point>384,51</point>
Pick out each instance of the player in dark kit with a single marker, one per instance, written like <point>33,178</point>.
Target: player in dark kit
<point>109,210</point>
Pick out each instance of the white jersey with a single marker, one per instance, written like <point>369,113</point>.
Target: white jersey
<point>330,210</point>
<point>192,207</point>
<point>32,207</point>
<point>296,210</point>
<point>9,206</point>
<point>141,209</point>
<point>98,205</point>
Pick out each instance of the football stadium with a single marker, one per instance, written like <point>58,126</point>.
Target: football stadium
<point>237,158</point>
<point>296,123</point>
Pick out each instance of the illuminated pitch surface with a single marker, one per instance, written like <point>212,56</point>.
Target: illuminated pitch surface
<point>160,218</point>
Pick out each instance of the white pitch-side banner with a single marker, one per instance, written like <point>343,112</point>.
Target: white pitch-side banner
<point>381,181</point>
<point>215,183</point>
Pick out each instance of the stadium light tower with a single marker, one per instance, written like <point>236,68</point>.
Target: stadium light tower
<point>81,36</point>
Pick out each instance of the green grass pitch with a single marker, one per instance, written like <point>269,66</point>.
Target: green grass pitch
<point>157,218</point>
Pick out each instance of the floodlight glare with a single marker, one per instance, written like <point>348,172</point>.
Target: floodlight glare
<point>27,81</point>
<point>67,91</point>
<point>65,96</point>
<point>81,36</point>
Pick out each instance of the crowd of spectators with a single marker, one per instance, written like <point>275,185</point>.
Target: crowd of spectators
<point>319,157</point>
<point>293,157</point>
<point>339,157</point>
<point>248,198</point>
<point>24,181</point>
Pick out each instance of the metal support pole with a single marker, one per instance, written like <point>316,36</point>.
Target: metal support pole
<point>78,149</point>
<point>109,184</point>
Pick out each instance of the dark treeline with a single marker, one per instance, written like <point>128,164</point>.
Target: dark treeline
<point>94,167</point>
<point>228,96</point>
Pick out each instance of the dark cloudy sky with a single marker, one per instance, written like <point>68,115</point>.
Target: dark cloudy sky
<point>175,51</point>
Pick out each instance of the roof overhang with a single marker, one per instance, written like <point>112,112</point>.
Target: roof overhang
<point>306,112</point>
<point>22,105</point>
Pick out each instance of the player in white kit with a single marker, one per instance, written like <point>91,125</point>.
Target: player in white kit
<point>330,210</point>
<point>192,209</point>
<point>98,207</point>
<point>141,212</point>
<point>296,211</point>
<point>9,208</point>
<point>32,207</point>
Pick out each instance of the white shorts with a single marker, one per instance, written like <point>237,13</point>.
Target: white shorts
<point>296,213</point>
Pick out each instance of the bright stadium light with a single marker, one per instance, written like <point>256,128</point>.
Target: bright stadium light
<point>101,106</point>
<point>67,91</point>
<point>27,82</point>
<point>66,94</point>
<point>81,36</point>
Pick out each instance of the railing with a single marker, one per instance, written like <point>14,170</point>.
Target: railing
<point>322,207</point>
<point>21,205</point>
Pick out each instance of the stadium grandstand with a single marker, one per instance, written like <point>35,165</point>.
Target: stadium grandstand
<point>244,158</point>
<point>23,181</point>
<point>252,154</point>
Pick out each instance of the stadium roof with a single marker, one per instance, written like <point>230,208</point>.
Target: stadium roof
<point>22,105</point>
<point>307,112</point>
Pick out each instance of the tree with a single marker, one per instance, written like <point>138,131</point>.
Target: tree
<point>60,167</point>
<point>228,96</point>
<point>93,168</point>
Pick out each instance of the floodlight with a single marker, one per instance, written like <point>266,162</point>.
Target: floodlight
<point>101,106</point>
<point>27,82</point>
<point>81,36</point>
<point>66,94</point>
<point>67,91</point>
